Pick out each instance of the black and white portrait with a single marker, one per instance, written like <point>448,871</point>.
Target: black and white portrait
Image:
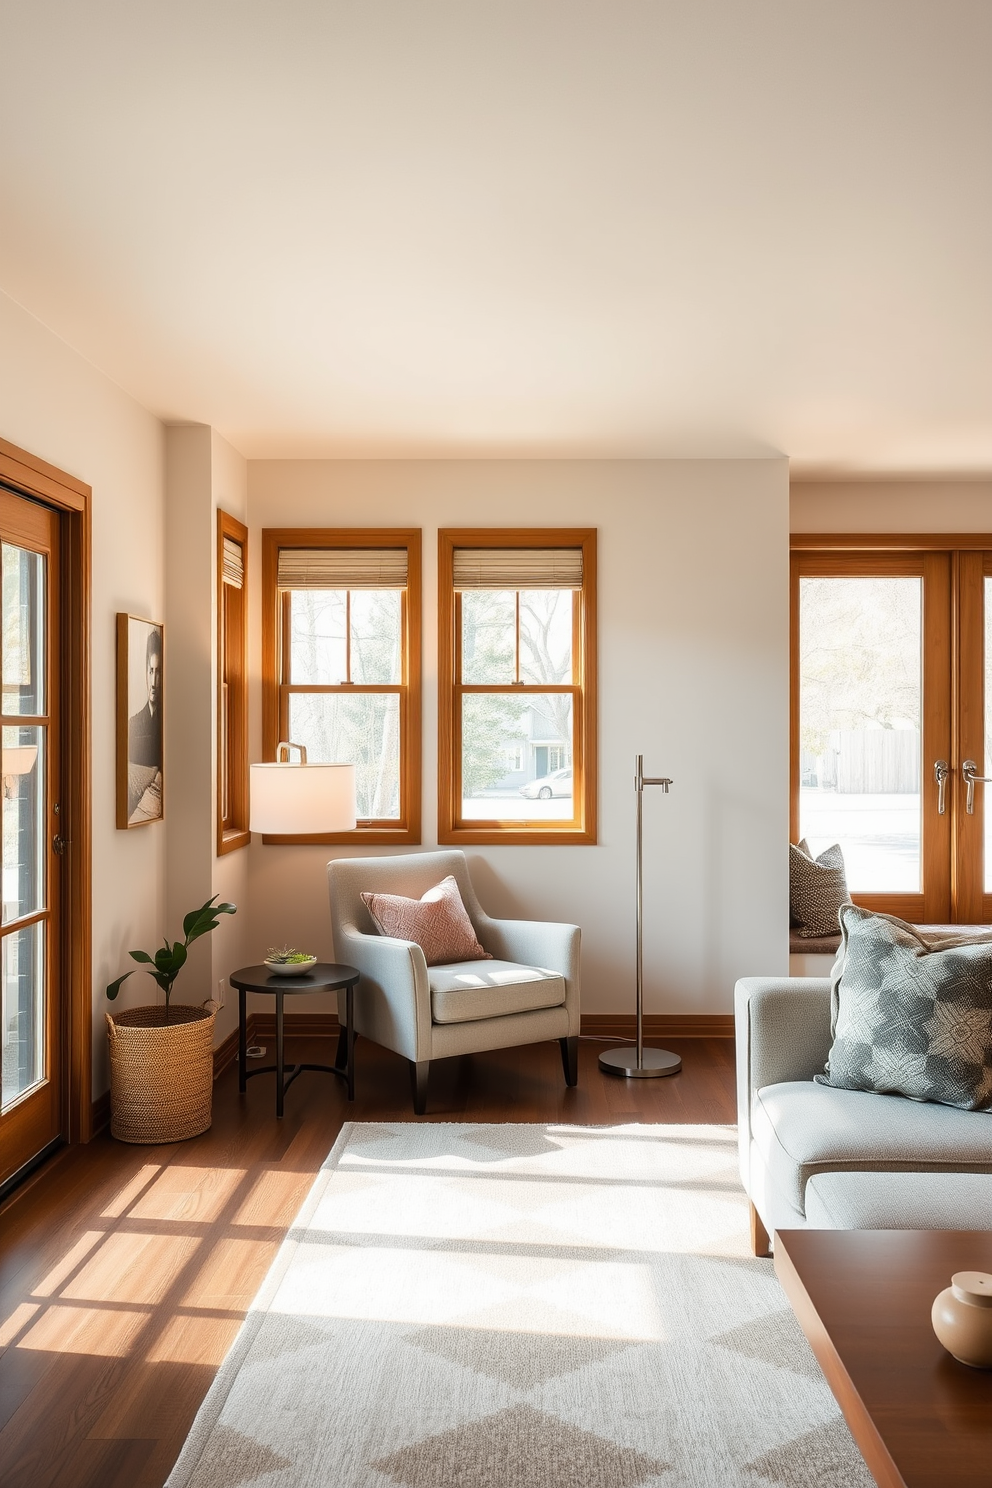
<point>140,677</point>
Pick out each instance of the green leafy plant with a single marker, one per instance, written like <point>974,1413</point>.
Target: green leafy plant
<point>169,960</point>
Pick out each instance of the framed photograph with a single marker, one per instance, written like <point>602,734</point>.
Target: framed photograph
<point>140,675</point>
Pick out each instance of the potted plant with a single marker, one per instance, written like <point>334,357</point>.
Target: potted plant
<point>161,1058</point>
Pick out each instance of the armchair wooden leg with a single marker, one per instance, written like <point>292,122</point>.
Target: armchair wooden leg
<point>570,1059</point>
<point>760,1243</point>
<point>419,1070</point>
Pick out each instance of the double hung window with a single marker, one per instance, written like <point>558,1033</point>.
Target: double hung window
<point>516,629</point>
<point>232,688</point>
<point>341,664</point>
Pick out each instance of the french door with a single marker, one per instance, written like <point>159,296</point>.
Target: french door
<point>32,1114</point>
<point>892,720</point>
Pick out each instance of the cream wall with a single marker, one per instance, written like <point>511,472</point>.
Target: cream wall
<point>891,506</point>
<point>57,406</point>
<point>693,667</point>
<point>204,473</point>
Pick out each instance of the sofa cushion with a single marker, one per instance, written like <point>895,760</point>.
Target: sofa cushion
<point>912,1017</point>
<point>817,889</point>
<point>491,989</point>
<point>438,922</point>
<point>899,1201</point>
<point>801,1128</point>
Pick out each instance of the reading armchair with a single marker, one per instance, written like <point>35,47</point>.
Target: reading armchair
<point>528,992</point>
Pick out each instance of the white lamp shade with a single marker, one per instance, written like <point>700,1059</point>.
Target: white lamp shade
<point>293,799</point>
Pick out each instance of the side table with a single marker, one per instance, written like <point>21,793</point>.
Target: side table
<point>324,977</point>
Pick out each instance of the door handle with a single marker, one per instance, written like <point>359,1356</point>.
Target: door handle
<point>941,770</point>
<point>972,778</point>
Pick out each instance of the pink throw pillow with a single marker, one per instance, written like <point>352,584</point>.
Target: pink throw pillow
<point>438,922</point>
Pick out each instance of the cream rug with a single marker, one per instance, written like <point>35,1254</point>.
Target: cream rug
<point>467,1306</point>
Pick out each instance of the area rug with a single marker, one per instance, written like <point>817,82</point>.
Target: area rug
<point>465,1306</point>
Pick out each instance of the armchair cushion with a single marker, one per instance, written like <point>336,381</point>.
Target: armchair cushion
<point>438,922</point>
<point>491,989</point>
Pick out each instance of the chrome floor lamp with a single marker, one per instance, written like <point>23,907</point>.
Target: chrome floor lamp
<point>640,1063</point>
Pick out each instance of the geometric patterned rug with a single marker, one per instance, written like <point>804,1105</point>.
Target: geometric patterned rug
<point>499,1306</point>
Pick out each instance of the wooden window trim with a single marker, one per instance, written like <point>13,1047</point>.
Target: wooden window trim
<point>408,830</point>
<point>450,830</point>
<point>30,476</point>
<point>873,542</point>
<point>232,656</point>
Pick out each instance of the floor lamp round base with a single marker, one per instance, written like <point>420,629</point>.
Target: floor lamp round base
<point>655,1063</point>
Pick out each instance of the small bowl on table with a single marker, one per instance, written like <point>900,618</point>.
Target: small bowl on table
<point>290,968</point>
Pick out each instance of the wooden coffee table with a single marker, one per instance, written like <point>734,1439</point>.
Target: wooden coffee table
<point>863,1298</point>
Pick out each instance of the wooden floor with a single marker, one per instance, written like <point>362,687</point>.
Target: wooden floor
<point>126,1271</point>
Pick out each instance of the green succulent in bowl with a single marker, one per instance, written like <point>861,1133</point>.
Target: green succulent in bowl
<point>288,956</point>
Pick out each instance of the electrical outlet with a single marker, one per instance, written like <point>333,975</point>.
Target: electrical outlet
<point>221,987</point>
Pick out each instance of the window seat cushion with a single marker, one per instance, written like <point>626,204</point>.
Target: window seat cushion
<point>821,945</point>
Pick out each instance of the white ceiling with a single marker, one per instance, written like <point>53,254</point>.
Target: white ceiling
<point>551,227</point>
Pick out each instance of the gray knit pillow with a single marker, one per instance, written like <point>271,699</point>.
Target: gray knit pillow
<point>912,1019</point>
<point>817,889</point>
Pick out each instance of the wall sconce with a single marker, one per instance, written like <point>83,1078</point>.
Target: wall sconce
<point>292,798</point>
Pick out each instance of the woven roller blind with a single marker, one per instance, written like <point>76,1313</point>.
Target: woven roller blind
<point>234,563</point>
<point>518,568</point>
<point>342,568</point>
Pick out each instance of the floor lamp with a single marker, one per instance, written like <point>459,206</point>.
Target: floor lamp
<point>640,1063</point>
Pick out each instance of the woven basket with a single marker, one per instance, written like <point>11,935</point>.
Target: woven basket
<point>161,1075</point>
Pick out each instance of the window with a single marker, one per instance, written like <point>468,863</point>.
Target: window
<point>232,689</point>
<point>517,666</point>
<point>891,689</point>
<point>341,665</point>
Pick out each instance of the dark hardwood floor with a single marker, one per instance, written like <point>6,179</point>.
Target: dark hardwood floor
<point>125,1271</point>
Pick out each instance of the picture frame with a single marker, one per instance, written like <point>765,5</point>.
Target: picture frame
<point>140,712</point>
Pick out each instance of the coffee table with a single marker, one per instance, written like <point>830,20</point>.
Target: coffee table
<point>863,1299</point>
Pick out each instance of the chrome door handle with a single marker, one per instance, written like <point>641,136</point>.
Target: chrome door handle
<point>972,778</point>
<point>941,770</point>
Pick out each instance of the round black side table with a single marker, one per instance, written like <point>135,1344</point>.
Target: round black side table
<point>324,977</point>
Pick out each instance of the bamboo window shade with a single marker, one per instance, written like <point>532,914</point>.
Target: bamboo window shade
<point>342,568</point>
<point>517,568</point>
<point>233,563</point>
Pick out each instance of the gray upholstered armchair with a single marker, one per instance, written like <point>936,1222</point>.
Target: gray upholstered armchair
<point>529,991</point>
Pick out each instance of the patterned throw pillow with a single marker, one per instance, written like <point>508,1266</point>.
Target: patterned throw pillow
<point>438,922</point>
<point>912,1018</point>
<point>817,889</point>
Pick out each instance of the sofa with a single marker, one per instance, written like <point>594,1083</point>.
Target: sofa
<point>815,1156</point>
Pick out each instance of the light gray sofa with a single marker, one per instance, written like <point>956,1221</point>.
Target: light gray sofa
<point>528,993</point>
<point>811,1155</point>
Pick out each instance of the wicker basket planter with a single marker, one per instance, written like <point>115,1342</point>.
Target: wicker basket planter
<point>161,1075</point>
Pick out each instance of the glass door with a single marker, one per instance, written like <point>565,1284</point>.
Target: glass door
<point>973,762</point>
<point>871,723</point>
<point>31,1097</point>
<point>892,723</point>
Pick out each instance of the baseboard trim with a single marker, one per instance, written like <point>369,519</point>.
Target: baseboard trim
<point>101,1113</point>
<point>296,1025</point>
<point>659,1025</point>
<point>226,1052</point>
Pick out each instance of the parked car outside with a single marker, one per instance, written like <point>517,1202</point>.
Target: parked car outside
<point>558,783</point>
